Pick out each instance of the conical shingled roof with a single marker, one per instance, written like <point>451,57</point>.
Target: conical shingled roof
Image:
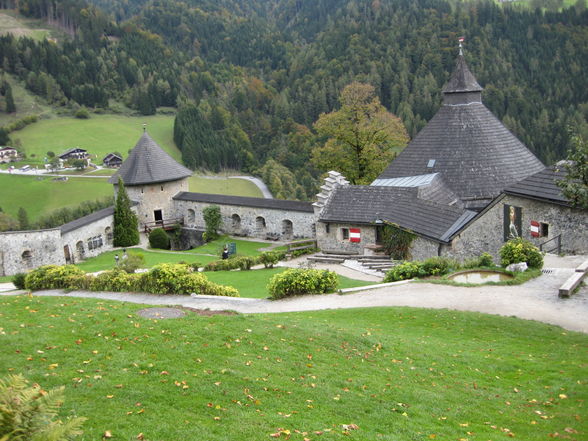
<point>462,80</point>
<point>474,153</point>
<point>148,164</point>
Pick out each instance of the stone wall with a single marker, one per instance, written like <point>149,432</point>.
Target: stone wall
<point>88,241</point>
<point>486,233</point>
<point>155,197</point>
<point>24,250</point>
<point>422,248</point>
<point>250,221</point>
<point>331,238</point>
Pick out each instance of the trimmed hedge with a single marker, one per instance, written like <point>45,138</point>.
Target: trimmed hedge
<point>296,281</point>
<point>158,238</point>
<point>161,279</point>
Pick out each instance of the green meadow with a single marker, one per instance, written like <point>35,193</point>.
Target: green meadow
<point>100,135</point>
<point>397,374</point>
<point>41,194</point>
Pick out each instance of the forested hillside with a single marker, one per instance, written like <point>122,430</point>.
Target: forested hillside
<point>249,78</point>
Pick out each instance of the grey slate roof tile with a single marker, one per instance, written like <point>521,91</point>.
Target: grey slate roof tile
<point>148,164</point>
<point>541,186</point>
<point>243,201</point>
<point>398,205</point>
<point>86,220</point>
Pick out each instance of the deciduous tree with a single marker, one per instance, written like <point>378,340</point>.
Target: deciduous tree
<point>575,184</point>
<point>363,137</point>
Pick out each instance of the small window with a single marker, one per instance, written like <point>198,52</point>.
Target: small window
<point>345,233</point>
<point>327,228</point>
<point>162,188</point>
<point>544,229</point>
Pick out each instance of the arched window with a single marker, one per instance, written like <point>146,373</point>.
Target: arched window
<point>191,217</point>
<point>108,235</point>
<point>287,229</point>
<point>236,223</point>
<point>260,226</point>
<point>27,255</point>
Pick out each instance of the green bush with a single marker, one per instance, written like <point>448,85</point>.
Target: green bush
<point>158,238</point>
<point>18,280</point>
<point>484,260</point>
<point>296,281</point>
<point>521,250</point>
<point>82,113</point>
<point>31,413</point>
<point>245,262</point>
<point>116,280</point>
<point>164,278</point>
<point>298,253</point>
<point>437,266</point>
<point>234,262</point>
<point>52,277</point>
<point>405,271</point>
<point>269,258</point>
<point>132,262</point>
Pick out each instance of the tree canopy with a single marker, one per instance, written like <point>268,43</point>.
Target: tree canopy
<point>575,184</point>
<point>363,137</point>
<point>126,228</point>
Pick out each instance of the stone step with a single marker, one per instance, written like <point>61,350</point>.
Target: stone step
<point>324,259</point>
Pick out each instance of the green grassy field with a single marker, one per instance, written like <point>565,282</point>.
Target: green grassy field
<point>366,374</point>
<point>42,196</point>
<point>100,135</point>
<point>223,185</point>
<point>19,26</point>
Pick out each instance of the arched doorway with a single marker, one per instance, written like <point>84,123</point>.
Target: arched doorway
<point>80,250</point>
<point>27,258</point>
<point>287,229</point>
<point>236,223</point>
<point>260,226</point>
<point>191,221</point>
<point>67,255</point>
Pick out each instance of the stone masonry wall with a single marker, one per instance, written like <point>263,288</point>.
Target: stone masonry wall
<point>250,221</point>
<point>486,234</point>
<point>330,238</point>
<point>24,250</point>
<point>155,197</point>
<point>89,240</point>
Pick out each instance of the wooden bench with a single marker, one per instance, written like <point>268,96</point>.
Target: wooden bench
<point>571,284</point>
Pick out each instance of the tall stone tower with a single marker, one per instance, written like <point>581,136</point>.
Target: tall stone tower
<point>151,178</point>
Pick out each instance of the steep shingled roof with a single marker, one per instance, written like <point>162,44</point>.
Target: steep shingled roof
<point>541,186</point>
<point>474,153</point>
<point>148,164</point>
<point>398,205</point>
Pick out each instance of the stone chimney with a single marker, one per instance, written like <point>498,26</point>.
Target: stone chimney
<point>332,181</point>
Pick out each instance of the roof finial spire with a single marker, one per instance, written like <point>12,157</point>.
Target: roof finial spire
<point>461,40</point>
<point>144,127</point>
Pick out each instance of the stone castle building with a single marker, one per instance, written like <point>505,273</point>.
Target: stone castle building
<point>464,185</point>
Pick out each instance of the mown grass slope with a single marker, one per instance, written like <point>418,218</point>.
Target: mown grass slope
<point>367,374</point>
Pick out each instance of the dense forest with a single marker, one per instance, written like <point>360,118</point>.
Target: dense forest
<point>249,78</point>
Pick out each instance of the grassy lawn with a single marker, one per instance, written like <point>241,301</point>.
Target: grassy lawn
<point>40,196</point>
<point>394,373</point>
<point>100,135</point>
<point>235,187</point>
<point>244,247</point>
<point>253,283</point>
<point>105,261</point>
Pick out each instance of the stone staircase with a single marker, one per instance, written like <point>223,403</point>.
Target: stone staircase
<point>369,264</point>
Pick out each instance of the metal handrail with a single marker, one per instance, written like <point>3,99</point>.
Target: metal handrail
<point>166,224</point>
<point>557,247</point>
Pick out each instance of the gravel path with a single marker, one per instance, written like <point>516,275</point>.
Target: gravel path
<point>534,300</point>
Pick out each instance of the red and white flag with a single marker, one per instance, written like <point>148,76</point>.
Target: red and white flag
<point>354,235</point>
<point>535,229</point>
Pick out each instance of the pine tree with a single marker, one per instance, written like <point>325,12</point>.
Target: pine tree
<point>126,231</point>
<point>10,106</point>
<point>23,219</point>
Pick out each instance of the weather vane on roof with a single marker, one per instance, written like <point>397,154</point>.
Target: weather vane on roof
<point>461,40</point>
